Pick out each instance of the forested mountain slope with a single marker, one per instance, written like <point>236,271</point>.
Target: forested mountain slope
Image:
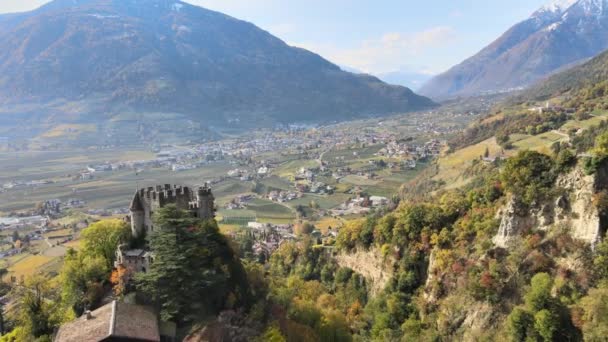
<point>104,57</point>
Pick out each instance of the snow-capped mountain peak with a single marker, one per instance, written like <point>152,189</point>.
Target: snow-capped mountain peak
<point>592,7</point>
<point>555,7</point>
<point>558,34</point>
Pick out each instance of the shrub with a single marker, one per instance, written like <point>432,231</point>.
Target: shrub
<point>539,296</point>
<point>529,176</point>
<point>519,324</point>
<point>546,324</point>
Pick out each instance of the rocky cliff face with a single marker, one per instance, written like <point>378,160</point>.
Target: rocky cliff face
<point>376,269</point>
<point>574,209</point>
<point>513,221</point>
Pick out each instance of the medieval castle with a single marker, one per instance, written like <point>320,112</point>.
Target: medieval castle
<point>146,201</point>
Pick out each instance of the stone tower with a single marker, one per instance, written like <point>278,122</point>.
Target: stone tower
<point>137,216</point>
<point>146,201</point>
<point>205,203</point>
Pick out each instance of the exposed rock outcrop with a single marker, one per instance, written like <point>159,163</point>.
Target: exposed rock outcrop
<point>376,269</point>
<point>229,326</point>
<point>585,222</point>
<point>513,221</point>
<point>479,318</point>
<point>574,208</point>
<point>431,291</point>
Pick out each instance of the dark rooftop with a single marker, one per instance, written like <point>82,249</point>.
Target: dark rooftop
<point>114,321</point>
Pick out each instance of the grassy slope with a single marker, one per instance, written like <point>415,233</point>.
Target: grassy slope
<point>575,78</point>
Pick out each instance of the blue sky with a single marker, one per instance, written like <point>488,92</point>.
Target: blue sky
<point>374,36</point>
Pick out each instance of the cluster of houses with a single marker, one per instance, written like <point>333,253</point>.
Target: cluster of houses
<point>107,212</point>
<point>16,223</point>
<point>550,108</point>
<point>174,160</point>
<point>24,184</point>
<point>268,237</point>
<point>239,202</point>
<point>280,139</point>
<point>283,196</point>
<point>360,205</point>
<point>304,174</point>
<point>54,207</point>
<point>240,174</point>
<point>401,149</point>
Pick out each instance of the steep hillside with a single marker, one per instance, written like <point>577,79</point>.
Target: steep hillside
<point>572,80</point>
<point>501,240</point>
<point>553,38</point>
<point>579,94</point>
<point>108,56</point>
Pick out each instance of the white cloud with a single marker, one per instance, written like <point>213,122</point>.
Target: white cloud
<point>389,52</point>
<point>11,6</point>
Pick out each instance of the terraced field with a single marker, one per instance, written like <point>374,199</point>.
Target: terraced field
<point>452,165</point>
<point>28,265</point>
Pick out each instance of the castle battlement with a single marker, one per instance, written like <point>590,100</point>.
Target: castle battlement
<point>167,192</point>
<point>146,200</point>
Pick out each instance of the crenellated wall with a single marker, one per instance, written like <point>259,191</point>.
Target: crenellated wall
<point>150,199</point>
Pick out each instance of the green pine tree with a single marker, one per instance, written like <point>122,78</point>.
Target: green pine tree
<point>194,272</point>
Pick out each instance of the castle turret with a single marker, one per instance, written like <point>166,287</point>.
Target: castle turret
<point>205,203</point>
<point>137,216</point>
<point>147,201</point>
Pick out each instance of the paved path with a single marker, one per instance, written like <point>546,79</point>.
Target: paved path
<point>561,133</point>
<point>320,159</point>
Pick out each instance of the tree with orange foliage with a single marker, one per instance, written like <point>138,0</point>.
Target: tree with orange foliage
<point>354,312</point>
<point>119,280</point>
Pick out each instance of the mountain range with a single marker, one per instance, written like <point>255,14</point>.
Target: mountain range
<point>555,37</point>
<point>93,59</point>
<point>573,80</point>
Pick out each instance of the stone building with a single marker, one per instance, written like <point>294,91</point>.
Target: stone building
<point>146,201</point>
<point>134,260</point>
<point>143,205</point>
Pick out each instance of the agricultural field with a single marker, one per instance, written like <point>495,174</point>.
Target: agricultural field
<point>113,190</point>
<point>107,190</point>
<point>288,169</point>
<point>28,265</point>
<point>56,173</point>
<point>594,121</point>
<point>452,165</point>
<point>69,131</point>
<point>541,142</point>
